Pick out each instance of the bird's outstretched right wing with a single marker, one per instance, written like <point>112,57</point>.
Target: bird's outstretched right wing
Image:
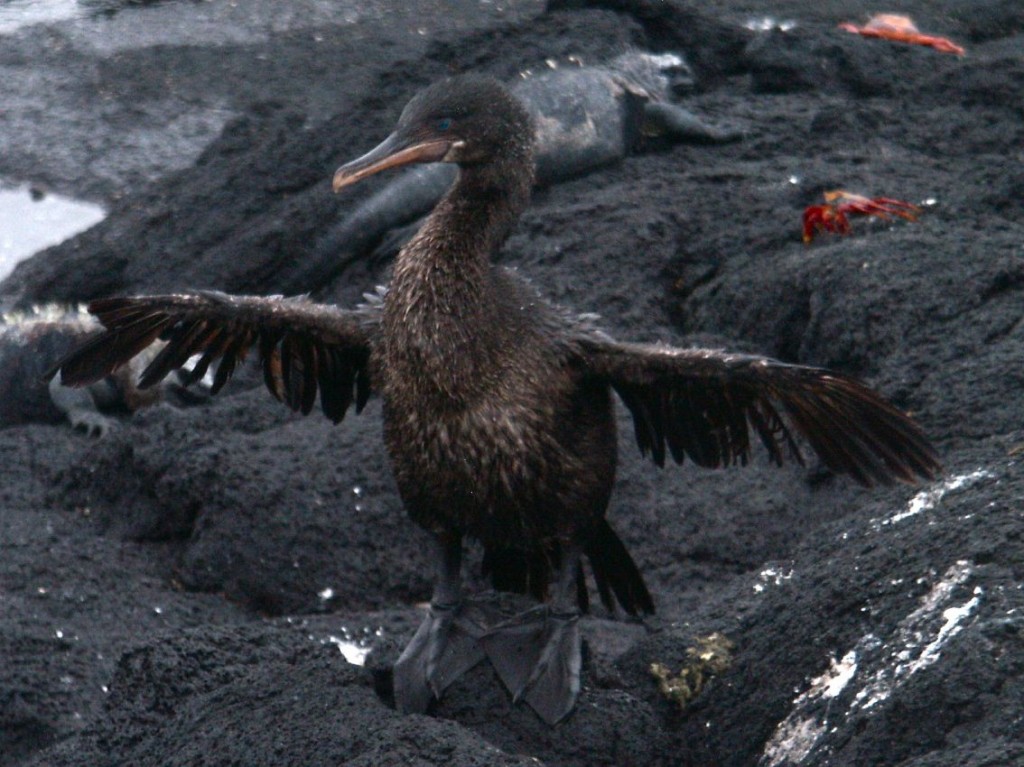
<point>704,404</point>
<point>304,347</point>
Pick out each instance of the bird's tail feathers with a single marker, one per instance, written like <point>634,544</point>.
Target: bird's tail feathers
<point>615,573</point>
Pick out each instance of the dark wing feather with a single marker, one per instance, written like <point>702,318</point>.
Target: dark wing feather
<point>703,404</point>
<point>215,347</point>
<point>98,357</point>
<point>233,353</point>
<point>305,348</point>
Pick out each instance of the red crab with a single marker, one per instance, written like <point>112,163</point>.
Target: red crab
<point>832,216</point>
<point>891,26</point>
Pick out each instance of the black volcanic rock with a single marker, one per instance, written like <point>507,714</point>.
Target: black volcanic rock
<point>173,593</point>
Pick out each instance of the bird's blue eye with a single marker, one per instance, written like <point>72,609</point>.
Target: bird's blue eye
<point>444,123</point>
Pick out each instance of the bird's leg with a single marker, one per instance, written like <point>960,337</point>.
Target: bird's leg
<point>537,654</point>
<point>446,645</point>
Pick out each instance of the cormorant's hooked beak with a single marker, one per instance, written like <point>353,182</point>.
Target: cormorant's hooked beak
<point>394,151</point>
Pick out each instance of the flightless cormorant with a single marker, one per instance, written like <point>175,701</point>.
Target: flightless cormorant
<point>498,407</point>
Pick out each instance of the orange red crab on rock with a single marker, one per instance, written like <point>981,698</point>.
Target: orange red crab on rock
<point>892,26</point>
<point>833,216</point>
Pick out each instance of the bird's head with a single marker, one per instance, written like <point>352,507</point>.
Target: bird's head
<point>468,120</point>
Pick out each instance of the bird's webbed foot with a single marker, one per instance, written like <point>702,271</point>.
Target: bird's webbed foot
<point>537,656</point>
<point>446,645</point>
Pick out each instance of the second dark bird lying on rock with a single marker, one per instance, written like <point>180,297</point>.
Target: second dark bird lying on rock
<point>497,406</point>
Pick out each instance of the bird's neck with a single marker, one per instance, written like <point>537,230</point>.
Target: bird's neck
<point>476,215</point>
<point>442,312</point>
<point>450,256</point>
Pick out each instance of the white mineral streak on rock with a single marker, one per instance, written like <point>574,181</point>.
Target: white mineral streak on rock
<point>354,652</point>
<point>928,498</point>
<point>915,644</point>
<point>771,576</point>
<point>796,737</point>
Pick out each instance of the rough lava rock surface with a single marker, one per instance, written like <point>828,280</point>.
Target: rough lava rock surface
<point>177,592</point>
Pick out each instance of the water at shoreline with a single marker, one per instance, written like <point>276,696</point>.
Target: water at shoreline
<point>15,14</point>
<point>31,220</point>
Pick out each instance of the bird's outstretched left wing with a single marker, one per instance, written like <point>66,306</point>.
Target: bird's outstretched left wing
<point>304,347</point>
<point>703,404</point>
